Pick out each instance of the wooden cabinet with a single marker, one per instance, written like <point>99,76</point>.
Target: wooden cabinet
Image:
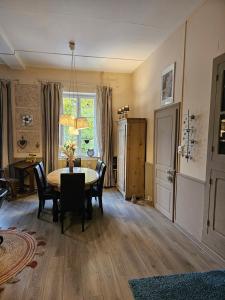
<point>131,157</point>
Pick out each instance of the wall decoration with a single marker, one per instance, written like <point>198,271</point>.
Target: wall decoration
<point>167,85</point>
<point>27,95</point>
<point>21,114</point>
<point>27,120</point>
<point>189,141</point>
<point>27,142</point>
<point>22,143</point>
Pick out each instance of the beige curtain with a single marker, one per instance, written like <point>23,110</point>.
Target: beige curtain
<point>51,98</point>
<point>6,132</point>
<point>104,125</point>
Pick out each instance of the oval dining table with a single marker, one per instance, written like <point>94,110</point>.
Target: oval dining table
<point>91,177</point>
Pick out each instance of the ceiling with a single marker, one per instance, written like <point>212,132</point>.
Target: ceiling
<point>110,35</point>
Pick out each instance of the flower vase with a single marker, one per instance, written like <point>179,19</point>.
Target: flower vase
<point>71,165</point>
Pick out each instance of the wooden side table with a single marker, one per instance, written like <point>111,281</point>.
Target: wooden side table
<point>23,169</point>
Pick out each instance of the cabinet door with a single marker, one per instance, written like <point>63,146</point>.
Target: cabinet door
<point>121,156</point>
<point>214,217</point>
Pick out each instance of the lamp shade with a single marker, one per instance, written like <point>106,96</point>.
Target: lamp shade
<point>82,123</point>
<point>67,120</point>
<point>73,130</point>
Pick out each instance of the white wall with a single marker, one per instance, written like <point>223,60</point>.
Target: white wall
<point>205,40</point>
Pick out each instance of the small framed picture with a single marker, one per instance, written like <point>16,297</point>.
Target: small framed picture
<point>167,85</point>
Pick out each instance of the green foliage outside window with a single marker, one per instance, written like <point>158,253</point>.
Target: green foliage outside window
<point>84,106</point>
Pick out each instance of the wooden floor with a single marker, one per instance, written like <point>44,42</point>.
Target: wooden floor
<point>129,241</point>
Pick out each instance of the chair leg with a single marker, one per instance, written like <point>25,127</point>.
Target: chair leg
<point>55,210</point>
<point>61,220</point>
<point>100,203</point>
<point>83,219</point>
<point>89,207</point>
<point>39,209</point>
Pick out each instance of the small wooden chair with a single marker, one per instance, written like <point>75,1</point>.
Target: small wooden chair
<point>11,184</point>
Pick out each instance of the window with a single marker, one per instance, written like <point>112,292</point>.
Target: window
<point>80,105</point>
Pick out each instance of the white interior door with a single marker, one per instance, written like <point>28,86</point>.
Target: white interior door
<point>166,134</point>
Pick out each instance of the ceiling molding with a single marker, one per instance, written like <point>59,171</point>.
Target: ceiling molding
<point>7,53</point>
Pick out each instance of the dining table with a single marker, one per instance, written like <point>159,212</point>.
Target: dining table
<point>91,177</point>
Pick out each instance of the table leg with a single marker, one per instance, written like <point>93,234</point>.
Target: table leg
<point>31,180</point>
<point>21,181</point>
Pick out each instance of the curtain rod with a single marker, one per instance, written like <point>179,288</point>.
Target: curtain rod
<point>64,81</point>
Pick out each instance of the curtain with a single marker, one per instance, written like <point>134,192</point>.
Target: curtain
<point>104,125</point>
<point>51,98</point>
<point>6,132</point>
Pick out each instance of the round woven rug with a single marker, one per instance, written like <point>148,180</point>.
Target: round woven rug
<point>16,252</point>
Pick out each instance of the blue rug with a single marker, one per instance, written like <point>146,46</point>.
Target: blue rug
<point>193,286</point>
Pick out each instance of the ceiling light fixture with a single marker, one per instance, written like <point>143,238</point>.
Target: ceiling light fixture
<point>74,124</point>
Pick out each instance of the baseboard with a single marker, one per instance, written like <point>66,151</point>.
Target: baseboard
<point>212,254</point>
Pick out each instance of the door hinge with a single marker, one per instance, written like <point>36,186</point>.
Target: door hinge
<point>213,148</point>
<point>208,223</point>
<point>217,77</point>
<point>210,181</point>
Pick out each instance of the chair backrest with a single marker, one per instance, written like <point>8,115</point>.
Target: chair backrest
<point>101,177</point>
<point>98,165</point>
<point>40,181</point>
<point>42,168</point>
<point>77,162</point>
<point>72,192</point>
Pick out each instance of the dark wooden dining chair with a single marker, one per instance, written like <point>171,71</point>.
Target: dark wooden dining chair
<point>77,162</point>
<point>72,196</point>
<point>97,189</point>
<point>45,193</point>
<point>98,166</point>
<point>41,165</point>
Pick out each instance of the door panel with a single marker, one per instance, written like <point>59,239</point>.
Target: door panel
<point>216,219</point>
<point>165,159</point>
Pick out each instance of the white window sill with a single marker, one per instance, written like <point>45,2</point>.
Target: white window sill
<point>82,158</point>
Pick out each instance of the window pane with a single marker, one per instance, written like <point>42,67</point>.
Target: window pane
<point>88,133</point>
<point>70,106</point>
<point>86,107</point>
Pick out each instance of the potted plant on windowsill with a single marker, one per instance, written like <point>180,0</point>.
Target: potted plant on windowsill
<point>69,150</point>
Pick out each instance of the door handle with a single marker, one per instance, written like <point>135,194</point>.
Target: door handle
<point>171,172</point>
<point>170,178</point>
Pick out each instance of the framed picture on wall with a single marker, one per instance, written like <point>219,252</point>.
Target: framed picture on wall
<point>167,85</point>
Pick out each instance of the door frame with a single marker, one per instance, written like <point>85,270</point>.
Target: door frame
<point>176,106</point>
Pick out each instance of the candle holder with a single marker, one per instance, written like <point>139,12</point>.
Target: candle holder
<point>123,112</point>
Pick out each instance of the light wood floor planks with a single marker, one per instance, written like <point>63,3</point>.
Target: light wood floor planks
<point>129,241</point>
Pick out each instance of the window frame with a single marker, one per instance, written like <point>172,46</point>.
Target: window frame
<point>78,96</point>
